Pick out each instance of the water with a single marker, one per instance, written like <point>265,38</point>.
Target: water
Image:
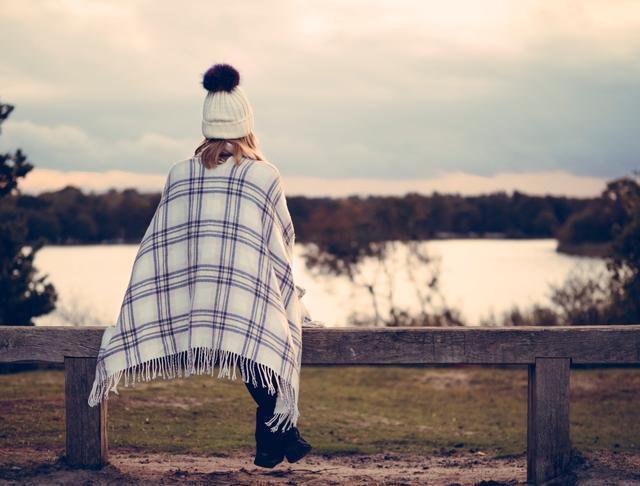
<point>476,276</point>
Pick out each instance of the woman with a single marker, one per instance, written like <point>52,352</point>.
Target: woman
<point>212,282</point>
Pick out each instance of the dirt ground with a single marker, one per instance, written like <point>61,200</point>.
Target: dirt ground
<point>41,467</point>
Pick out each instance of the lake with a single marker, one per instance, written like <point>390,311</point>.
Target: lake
<point>477,276</point>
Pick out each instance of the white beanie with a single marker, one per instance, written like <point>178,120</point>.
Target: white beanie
<point>226,112</point>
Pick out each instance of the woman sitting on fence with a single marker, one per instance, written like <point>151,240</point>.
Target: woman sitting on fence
<point>212,282</point>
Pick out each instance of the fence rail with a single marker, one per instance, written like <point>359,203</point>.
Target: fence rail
<point>548,352</point>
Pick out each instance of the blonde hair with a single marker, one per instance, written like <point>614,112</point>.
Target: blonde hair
<point>211,149</point>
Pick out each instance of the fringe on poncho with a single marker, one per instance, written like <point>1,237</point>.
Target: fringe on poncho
<point>212,284</point>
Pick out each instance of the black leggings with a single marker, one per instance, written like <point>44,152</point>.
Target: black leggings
<point>266,403</point>
<point>260,394</point>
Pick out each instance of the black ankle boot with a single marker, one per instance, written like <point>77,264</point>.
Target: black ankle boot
<point>269,445</point>
<point>295,447</point>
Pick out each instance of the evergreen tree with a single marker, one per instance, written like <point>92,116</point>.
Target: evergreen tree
<point>624,261</point>
<point>23,295</point>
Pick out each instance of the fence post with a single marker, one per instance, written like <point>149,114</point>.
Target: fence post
<point>548,441</point>
<point>86,427</point>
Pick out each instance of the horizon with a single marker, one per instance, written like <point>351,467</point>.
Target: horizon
<point>42,181</point>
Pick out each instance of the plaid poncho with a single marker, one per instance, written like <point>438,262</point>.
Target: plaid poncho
<point>212,284</point>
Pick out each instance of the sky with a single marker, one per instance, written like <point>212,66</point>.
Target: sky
<point>350,97</point>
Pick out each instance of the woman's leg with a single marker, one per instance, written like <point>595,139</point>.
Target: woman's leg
<point>266,403</point>
<point>270,444</point>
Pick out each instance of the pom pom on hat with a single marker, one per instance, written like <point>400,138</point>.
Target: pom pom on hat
<point>221,77</point>
<point>226,112</point>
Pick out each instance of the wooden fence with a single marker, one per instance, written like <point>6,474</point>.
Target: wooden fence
<point>548,352</point>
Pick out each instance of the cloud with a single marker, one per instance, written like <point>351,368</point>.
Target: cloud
<point>409,90</point>
<point>69,147</point>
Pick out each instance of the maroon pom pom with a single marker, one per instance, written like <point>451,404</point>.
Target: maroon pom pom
<point>221,77</point>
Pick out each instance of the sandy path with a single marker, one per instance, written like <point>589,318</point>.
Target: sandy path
<point>134,467</point>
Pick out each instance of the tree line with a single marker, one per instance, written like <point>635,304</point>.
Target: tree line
<point>72,216</point>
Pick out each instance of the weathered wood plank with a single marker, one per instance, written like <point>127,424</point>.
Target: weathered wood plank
<point>86,427</point>
<point>513,345</point>
<point>48,344</point>
<point>548,441</point>
<point>364,346</point>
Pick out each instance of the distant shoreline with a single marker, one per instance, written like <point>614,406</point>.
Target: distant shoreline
<point>593,250</point>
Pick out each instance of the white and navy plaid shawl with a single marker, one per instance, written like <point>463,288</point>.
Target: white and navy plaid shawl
<point>212,284</point>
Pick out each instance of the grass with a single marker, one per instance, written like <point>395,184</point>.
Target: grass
<point>343,410</point>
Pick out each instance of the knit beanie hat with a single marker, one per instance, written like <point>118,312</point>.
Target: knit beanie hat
<point>226,112</point>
